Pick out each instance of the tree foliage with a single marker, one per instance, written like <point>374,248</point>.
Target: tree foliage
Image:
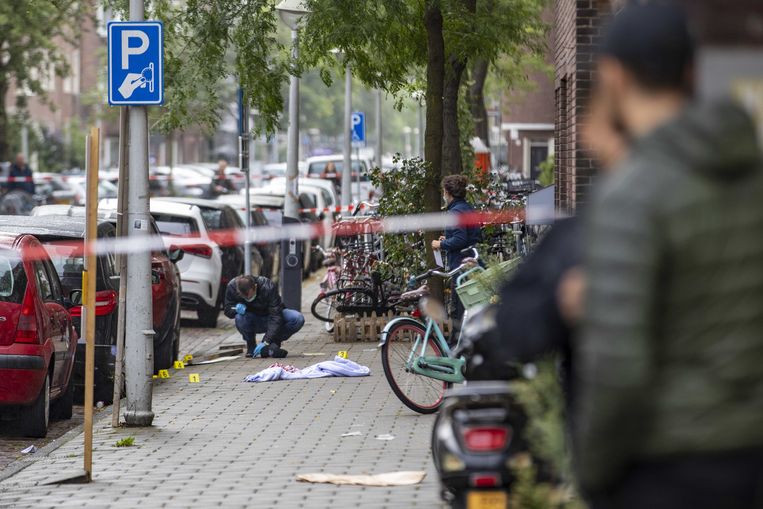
<point>33,34</point>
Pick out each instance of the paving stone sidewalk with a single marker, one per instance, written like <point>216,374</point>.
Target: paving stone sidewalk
<point>226,443</point>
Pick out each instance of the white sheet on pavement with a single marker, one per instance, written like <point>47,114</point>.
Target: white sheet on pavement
<point>337,367</point>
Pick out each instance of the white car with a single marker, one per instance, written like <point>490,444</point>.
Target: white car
<point>330,168</point>
<point>322,193</point>
<point>201,267</point>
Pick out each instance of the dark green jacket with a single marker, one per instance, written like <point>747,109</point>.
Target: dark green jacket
<point>670,356</point>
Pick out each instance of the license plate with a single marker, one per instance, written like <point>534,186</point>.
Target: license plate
<point>487,500</point>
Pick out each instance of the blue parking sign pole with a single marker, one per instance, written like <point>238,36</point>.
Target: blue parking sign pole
<point>136,79</point>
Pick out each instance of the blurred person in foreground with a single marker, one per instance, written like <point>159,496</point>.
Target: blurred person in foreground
<point>23,175</point>
<point>668,379</point>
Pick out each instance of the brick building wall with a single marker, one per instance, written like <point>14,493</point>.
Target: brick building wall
<point>577,25</point>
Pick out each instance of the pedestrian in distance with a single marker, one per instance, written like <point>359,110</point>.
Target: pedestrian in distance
<point>456,238</point>
<point>255,304</point>
<point>21,171</point>
<point>221,184</point>
<point>667,359</point>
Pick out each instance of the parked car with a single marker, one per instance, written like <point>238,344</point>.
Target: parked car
<point>321,167</point>
<point>269,199</point>
<point>37,338</point>
<point>201,267</point>
<point>62,236</point>
<point>165,289</point>
<point>322,193</point>
<point>237,178</point>
<point>180,181</point>
<point>269,251</point>
<point>54,188</point>
<point>106,189</point>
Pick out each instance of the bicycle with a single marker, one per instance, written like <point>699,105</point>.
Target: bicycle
<point>355,300</point>
<point>416,358</point>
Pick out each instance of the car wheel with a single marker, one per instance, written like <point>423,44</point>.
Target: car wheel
<point>35,418</point>
<point>208,315</point>
<point>62,407</point>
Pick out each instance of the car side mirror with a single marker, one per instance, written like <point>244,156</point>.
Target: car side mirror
<point>75,298</point>
<point>176,254</point>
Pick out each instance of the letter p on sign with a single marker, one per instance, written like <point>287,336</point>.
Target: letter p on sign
<point>128,50</point>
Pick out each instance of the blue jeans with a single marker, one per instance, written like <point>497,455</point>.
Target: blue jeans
<point>251,324</point>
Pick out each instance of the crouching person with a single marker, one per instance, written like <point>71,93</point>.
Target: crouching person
<point>256,305</point>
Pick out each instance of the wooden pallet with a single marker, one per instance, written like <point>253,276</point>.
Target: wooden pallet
<point>348,329</point>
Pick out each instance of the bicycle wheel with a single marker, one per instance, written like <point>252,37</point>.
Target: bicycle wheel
<point>351,300</point>
<point>419,393</point>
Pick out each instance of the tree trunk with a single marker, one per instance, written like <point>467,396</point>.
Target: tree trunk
<point>477,100</point>
<point>451,139</point>
<point>4,145</point>
<point>433,137</point>
<point>451,150</point>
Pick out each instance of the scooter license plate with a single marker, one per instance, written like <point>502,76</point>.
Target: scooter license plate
<point>487,500</point>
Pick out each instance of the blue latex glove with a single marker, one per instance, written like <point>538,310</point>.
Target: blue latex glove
<point>241,308</point>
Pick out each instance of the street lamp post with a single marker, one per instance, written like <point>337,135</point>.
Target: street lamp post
<point>347,170</point>
<point>292,12</point>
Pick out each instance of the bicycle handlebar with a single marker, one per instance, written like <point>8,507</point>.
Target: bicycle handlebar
<point>446,275</point>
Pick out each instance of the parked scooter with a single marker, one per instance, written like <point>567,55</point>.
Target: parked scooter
<point>479,428</point>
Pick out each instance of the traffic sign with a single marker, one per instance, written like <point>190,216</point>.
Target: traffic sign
<point>358,128</point>
<point>136,58</point>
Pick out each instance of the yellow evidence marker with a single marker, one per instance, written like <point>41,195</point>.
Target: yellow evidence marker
<point>188,358</point>
<point>163,373</point>
<point>342,354</point>
<point>179,365</point>
<point>194,378</point>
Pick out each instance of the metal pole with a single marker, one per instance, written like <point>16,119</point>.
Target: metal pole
<point>25,141</point>
<point>291,202</point>
<point>122,262</point>
<point>357,175</point>
<point>347,165</point>
<point>243,164</point>
<point>139,333</point>
<point>89,276</point>
<point>378,128</point>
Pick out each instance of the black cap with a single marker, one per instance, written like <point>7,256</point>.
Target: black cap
<point>653,41</point>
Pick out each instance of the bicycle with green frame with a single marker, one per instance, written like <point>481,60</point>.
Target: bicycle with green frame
<point>417,360</point>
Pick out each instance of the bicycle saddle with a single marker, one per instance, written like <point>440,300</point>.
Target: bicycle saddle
<point>416,294</point>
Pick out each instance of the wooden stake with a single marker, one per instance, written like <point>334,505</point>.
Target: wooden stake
<point>88,288</point>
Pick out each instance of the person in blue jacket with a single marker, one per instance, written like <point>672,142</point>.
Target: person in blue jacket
<point>456,238</point>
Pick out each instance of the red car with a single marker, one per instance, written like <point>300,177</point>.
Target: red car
<point>37,339</point>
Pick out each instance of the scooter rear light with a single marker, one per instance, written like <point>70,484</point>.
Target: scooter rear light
<point>485,439</point>
<point>485,480</point>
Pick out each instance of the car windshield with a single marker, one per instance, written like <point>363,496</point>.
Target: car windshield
<point>12,277</point>
<point>178,226</point>
<point>212,218</point>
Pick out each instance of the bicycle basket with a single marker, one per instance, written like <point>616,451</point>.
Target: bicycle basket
<point>473,291</point>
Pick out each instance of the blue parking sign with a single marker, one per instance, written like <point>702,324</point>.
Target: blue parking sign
<point>136,58</point>
<point>358,128</point>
